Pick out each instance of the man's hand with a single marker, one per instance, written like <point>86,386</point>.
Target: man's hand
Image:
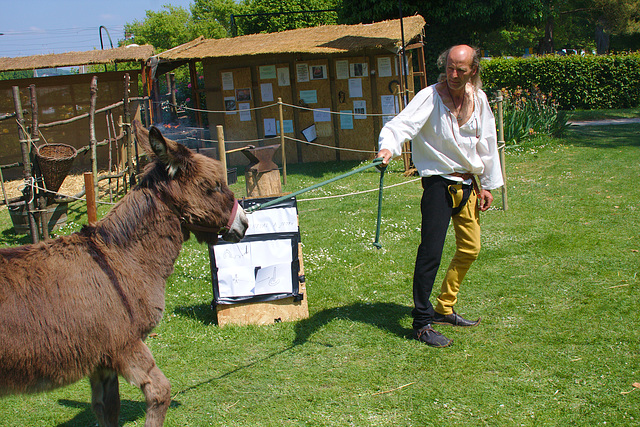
<point>386,156</point>
<point>485,198</point>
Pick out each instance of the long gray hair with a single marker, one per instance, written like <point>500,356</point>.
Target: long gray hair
<point>476,80</point>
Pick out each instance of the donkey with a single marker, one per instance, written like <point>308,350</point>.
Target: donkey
<point>82,305</point>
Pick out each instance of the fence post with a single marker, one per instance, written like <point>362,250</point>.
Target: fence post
<point>501,147</point>
<point>92,215</point>
<point>26,161</point>
<point>42,201</point>
<point>222,153</point>
<point>92,133</point>
<point>128,136</point>
<point>282,143</point>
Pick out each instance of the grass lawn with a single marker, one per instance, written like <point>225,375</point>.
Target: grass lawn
<point>556,286</point>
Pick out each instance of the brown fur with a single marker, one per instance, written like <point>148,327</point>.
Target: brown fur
<point>81,305</point>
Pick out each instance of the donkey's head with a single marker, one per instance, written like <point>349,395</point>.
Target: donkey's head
<point>193,186</point>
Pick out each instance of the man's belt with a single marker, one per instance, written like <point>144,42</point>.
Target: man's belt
<point>465,176</point>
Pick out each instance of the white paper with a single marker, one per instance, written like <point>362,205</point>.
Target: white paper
<point>271,252</point>
<point>227,80</point>
<point>236,282</point>
<point>389,103</point>
<point>302,71</point>
<point>346,119</point>
<point>275,279</point>
<point>355,88</point>
<point>360,109</point>
<point>309,96</point>
<point>245,112</point>
<point>310,133</point>
<point>342,69</point>
<point>267,72</point>
<point>288,126</point>
<point>384,67</point>
<point>270,127</point>
<point>269,221</point>
<point>236,255</point>
<point>283,77</point>
<point>322,115</point>
<point>266,90</point>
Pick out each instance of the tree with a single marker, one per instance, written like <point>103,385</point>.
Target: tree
<point>448,22</point>
<point>212,18</point>
<point>163,30</point>
<point>279,15</point>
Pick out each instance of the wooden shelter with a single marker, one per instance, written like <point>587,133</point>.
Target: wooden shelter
<point>65,96</point>
<point>338,85</point>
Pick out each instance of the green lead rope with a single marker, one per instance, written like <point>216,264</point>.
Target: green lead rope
<point>376,243</point>
<point>375,163</point>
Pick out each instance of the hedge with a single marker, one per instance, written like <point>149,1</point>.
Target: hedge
<point>575,82</point>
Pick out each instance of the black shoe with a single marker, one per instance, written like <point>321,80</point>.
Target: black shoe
<point>431,337</point>
<point>453,319</point>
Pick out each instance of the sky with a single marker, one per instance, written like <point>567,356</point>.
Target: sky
<point>36,27</point>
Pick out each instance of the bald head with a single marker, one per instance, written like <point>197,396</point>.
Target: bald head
<point>461,57</point>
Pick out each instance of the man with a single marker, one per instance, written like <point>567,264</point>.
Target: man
<point>454,140</point>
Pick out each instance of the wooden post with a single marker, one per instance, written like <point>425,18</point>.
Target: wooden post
<point>42,200</point>
<point>92,214</point>
<point>126,128</point>
<point>501,148</point>
<point>172,94</point>
<point>26,162</point>
<point>195,92</point>
<point>222,153</point>
<point>92,133</point>
<point>282,144</point>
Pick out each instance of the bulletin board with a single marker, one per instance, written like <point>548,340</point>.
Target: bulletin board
<point>313,90</point>
<point>274,81</point>
<point>237,93</point>
<point>387,86</point>
<point>353,93</point>
<point>265,264</point>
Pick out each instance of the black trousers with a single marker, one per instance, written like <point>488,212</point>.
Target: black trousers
<point>437,209</point>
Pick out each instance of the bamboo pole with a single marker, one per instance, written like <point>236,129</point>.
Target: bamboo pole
<point>222,155</point>
<point>26,163</point>
<point>42,200</point>
<point>282,143</point>
<point>92,215</point>
<point>92,133</point>
<point>501,147</point>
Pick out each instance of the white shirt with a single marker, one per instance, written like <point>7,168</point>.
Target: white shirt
<point>440,145</point>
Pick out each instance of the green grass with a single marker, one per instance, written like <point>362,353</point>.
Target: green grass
<point>556,285</point>
<point>632,113</point>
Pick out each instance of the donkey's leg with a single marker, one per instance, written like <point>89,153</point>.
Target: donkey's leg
<point>138,367</point>
<point>105,397</point>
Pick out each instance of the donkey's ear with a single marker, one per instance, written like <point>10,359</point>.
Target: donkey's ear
<point>142,136</point>
<point>167,151</point>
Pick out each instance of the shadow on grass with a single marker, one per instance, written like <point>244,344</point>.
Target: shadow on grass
<point>614,136</point>
<point>130,411</point>
<point>386,316</point>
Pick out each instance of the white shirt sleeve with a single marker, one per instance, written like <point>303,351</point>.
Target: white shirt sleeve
<point>487,147</point>
<point>408,123</point>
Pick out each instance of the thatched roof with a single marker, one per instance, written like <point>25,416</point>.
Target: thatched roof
<point>326,39</point>
<point>70,59</point>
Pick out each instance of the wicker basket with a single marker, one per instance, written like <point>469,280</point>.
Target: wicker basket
<point>55,161</point>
